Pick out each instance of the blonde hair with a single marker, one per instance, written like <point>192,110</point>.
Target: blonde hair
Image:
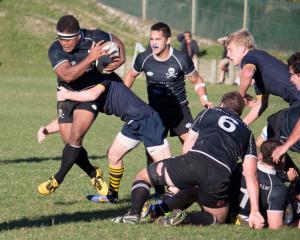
<point>242,38</point>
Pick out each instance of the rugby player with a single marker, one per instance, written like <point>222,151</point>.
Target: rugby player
<point>270,75</point>
<point>216,141</point>
<point>166,69</point>
<point>73,55</point>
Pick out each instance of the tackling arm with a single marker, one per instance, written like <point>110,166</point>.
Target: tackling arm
<point>200,88</point>
<point>83,96</point>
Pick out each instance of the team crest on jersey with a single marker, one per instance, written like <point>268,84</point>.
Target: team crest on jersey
<point>60,113</point>
<point>188,125</point>
<point>73,63</point>
<point>149,74</point>
<point>171,73</point>
<point>94,106</point>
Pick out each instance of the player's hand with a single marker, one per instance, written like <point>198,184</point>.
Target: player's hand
<point>61,95</point>
<point>278,152</point>
<point>42,134</point>
<point>208,104</point>
<point>292,174</point>
<point>249,101</point>
<point>256,220</point>
<point>117,62</point>
<point>96,51</point>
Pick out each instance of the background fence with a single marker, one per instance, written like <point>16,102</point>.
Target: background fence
<point>274,23</point>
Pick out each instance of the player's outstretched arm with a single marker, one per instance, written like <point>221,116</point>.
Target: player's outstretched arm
<point>256,220</point>
<point>130,78</point>
<point>257,108</point>
<point>50,128</point>
<point>200,88</point>
<point>83,96</point>
<point>292,139</point>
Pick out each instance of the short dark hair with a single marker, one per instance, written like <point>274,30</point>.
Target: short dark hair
<point>234,101</point>
<point>267,148</point>
<point>160,26</point>
<point>68,24</point>
<point>188,33</point>
<point>294,62</point>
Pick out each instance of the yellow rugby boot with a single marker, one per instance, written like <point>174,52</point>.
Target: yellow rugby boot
<point>48,187</point>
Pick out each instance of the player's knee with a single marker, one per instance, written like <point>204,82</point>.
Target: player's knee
<point>113,157</point>
<point>75,138</point>
<point>142,175</point>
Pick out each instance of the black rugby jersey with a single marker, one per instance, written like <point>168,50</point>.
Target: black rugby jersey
<point>272,192</point>
<point>57,56</point>
<point>288,122</point>
<point>122,102</point>
<point>271,76</point>
<point>223,137</point>
<point>165,79</point>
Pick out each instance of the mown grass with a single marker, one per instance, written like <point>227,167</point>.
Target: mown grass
<point>27,97</point>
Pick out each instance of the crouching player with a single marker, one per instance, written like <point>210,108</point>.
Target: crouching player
<point>215,143</point>
<point>272,190</point>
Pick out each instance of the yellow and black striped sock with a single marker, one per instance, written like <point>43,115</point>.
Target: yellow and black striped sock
<point>115,176</point>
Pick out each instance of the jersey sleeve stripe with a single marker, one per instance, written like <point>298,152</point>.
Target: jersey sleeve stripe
<point>59,64</point>
<point>191,72</point>
<point>252,156</point>
<point>135,70</point>
<point>146,60</point>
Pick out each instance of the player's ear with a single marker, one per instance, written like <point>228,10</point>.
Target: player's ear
<point>221,104</point>
<point>168,40</point>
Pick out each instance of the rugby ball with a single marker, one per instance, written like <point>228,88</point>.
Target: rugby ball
<point>112,51</point>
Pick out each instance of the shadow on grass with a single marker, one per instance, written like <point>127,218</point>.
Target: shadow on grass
<point>41,159</point>
<point>64,218</point>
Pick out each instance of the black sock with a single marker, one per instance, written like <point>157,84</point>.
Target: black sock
<point>160,209</point>
<point>202,218</point>
<point>69,156</point>
<point>84,163</point>
<point>160,190</point>
<point>139,195</point>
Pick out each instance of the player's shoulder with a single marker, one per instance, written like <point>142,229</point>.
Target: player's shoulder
<point>181,57</point>
<point>145,54</point>
<point>95,35</point>
<point>144,57</point>
<point>178,54</point>
<point>54,45</point>
<point>55,48</point>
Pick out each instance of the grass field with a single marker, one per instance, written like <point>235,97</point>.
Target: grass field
<point>27,97</point>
